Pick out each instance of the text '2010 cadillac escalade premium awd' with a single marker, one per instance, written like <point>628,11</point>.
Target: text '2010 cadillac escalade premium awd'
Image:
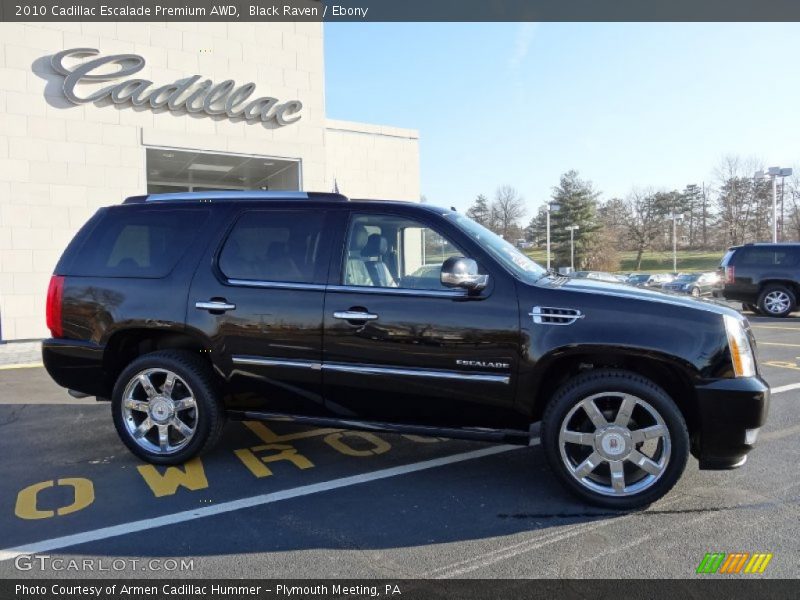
<point>185,309</point>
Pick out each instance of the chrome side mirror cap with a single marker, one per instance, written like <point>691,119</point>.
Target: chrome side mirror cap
<point>460,272</point>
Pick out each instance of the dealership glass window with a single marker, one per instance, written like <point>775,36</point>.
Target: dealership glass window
<point>395,252</point>
<point>280,246</point>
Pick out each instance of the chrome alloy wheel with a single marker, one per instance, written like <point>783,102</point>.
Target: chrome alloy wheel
<point>159,411</point>
<point>777,302</point>
<point>615,444</point>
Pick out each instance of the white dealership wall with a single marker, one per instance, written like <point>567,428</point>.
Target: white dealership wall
<point>59,161</point>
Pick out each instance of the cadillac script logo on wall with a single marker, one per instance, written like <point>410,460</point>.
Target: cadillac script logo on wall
<point>222,98</point>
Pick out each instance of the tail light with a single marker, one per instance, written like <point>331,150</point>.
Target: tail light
<point>729,274</point>
<point>55,294</point>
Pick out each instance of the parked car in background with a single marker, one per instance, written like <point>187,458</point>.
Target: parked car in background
<point>694,284</point>
<point>654,280</point>
<point>765,278</point>
<point>598,276</point>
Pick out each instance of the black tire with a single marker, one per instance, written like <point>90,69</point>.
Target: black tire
<point>611,381</point>
<point>207,416</point>
<point>767,304</point>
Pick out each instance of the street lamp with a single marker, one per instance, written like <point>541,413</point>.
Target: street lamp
<point>774,173</point>
<point>571,230</point>
<point>675,218</point>
<point>550,207</point>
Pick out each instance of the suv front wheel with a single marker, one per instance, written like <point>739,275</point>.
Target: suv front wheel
<point>776,301</point>
<point>615,439</point>
<point>165,407</point>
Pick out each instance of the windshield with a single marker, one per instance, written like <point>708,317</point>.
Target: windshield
<point>504,252</point>
<point>638,278</point>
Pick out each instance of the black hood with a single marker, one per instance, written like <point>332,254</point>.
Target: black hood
<point>622,290</point>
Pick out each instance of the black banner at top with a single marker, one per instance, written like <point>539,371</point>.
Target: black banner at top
<point>399,10</point>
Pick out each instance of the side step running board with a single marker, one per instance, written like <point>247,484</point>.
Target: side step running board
<point>505,436</point>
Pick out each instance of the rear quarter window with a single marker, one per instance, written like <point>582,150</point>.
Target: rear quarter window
<point>141,243</point>
<point>767,257</point>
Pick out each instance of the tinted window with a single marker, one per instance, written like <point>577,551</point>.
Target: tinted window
<point>768,257</point>
<point>395,252</point>
<point>137,243</point>
<point>282,246</point>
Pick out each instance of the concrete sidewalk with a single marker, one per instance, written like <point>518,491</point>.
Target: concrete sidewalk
<point>17,354</point>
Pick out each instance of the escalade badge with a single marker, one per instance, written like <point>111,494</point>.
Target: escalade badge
<point>483,364</point>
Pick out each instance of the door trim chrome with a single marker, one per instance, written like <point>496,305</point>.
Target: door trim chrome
<point>278,285</point>
<point>371,369</point>
<point>321,287</point>
<point>413,372</point>
<point>277,362</point>
<point>397,291</point>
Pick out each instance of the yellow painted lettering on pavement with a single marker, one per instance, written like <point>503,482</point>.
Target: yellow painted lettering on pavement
<point>191,476</point>
<point>258,464</point>
<point>27,500</point>
<point>337,442</point>
<point>266,435</point>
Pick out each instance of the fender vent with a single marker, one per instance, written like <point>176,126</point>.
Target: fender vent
<point>548,315</point>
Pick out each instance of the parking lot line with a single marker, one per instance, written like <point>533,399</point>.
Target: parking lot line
<point>21,366</point>
<point>775,327</point>
<point>786,388</point>
<point>242,503</point>
<point>778,344</point>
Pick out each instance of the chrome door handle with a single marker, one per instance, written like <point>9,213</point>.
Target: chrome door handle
<point>352,315</point>
<point>214,305</point>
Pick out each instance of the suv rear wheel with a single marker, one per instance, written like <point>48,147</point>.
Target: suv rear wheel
<point>776,301</point>
<point>615,439</point>
<point>165,407</point>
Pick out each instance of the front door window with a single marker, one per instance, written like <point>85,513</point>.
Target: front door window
<point>395,252</point>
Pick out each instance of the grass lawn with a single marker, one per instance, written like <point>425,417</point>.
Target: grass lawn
<point>657,262</point>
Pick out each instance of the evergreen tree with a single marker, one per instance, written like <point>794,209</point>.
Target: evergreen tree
<point>480,211</point>
<point>577,202</point>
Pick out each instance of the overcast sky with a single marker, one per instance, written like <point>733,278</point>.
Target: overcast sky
<point>625,104</point>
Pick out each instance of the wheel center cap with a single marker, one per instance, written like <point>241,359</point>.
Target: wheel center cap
<point>161,410</point>
<point>613,443</point>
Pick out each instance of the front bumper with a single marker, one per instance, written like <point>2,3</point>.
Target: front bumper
<point>728,411</point>
<point>76,365</point>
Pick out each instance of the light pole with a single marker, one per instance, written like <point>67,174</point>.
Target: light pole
<point>774,173</point>
<point>571,230</point>
<point>550,207</point>
<point>675,218</point>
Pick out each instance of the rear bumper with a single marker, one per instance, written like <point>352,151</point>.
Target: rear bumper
<point>76,365</point>
<point>729,410</point>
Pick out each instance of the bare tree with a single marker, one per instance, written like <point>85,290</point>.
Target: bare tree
<point>643,220</point>
<point>507,209</point>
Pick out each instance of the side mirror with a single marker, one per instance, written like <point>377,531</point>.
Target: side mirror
<point>460,272</point>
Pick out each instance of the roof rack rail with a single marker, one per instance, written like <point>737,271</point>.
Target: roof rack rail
<point>210,196</point>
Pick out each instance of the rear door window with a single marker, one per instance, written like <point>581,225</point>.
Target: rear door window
<point>140,243</point>
<point>275,246</point>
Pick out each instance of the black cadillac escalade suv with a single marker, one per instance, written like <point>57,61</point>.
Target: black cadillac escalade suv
<point>186,309</point>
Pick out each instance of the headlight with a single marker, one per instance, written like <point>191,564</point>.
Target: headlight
<point>744,364</point>
<point>686,286</point>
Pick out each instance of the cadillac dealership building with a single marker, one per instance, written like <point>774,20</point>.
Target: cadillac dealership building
<point>93,112</point>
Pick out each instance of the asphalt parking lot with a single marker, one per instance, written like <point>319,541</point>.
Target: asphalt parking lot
<point>283,501</point>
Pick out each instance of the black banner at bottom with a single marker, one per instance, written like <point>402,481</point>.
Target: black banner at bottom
<point>710,588</point>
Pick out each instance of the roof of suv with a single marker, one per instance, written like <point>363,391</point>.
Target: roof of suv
<point>764,245</point>
<point>266,196</point>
